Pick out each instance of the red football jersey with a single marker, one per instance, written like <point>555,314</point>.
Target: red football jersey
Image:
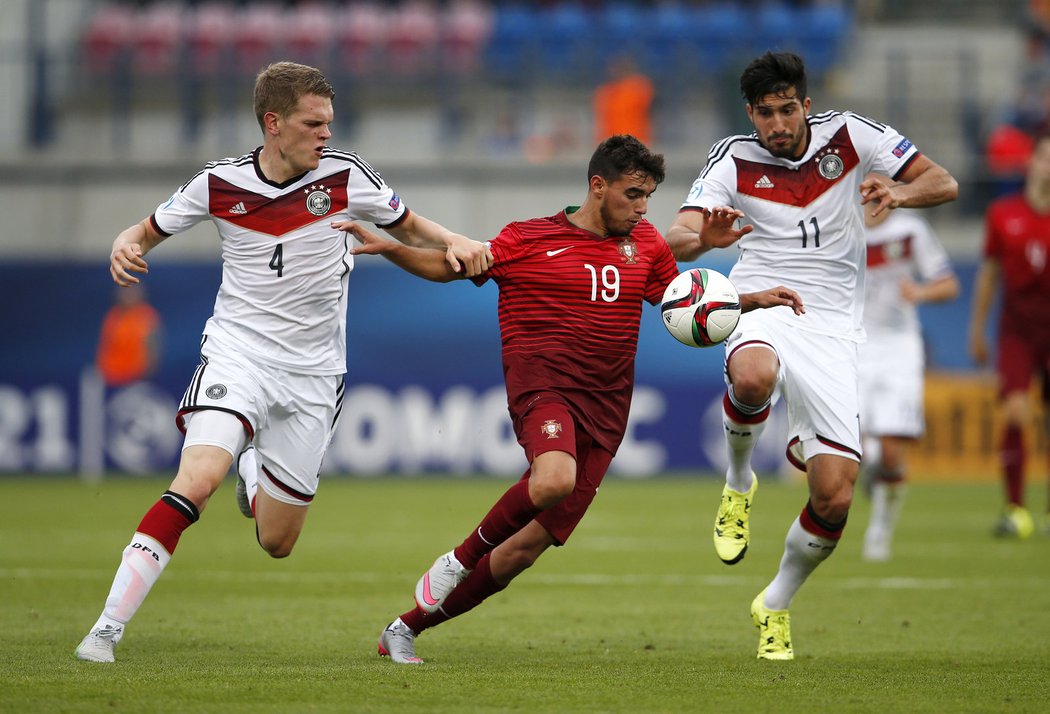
<point>1019,239</point>
<point>570,303</point>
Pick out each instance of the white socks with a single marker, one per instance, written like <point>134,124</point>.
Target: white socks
<point>740,442</point>
<point>141,564</point>
<point>803,552</point>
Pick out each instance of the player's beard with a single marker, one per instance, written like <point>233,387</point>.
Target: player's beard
<point>614,228</point>
<point>787,151</point>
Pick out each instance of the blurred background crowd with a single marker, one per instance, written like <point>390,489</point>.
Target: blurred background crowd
<point>477,113</point>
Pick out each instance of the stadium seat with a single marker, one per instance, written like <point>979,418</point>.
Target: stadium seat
<point>257,35</point>
<point>465,29</point>
<point>624,29</point>
<point>360,39</point>
<point>412,39</point>
<point>719,35</point>
<point>823,28</point>
<point>106,39</point>
<point>567,43</point>
<point>512,44</point>
<point>309,33</point>
<point>208,31</point>
<point>774,27</point>
<point>156,40</point>
<point>669,45</point>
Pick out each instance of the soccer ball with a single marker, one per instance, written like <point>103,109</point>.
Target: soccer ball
<point>700,307</point>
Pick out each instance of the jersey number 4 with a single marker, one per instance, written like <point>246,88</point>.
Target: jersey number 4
<point>277,260</point>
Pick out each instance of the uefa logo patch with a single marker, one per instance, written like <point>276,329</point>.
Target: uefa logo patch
<point>216,391</point>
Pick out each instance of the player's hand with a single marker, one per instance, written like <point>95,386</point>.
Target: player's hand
<point>911,291</point>
<point>466,255</point>
<point>370,243</point>
<point>719,227</point>
<point>125,260</point>
<point>877,189</point>
<point>773,297</point>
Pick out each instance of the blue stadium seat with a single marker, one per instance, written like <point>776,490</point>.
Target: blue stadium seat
<point>568,42</point>
<point>512,44</point>
<point>720,32</point>
<point>822,31</point>
<point>774,27</point>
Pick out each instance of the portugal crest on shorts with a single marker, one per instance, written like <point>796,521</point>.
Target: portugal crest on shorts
<point>551,428</point>
<point>629,251</point>
<point>318,202</point>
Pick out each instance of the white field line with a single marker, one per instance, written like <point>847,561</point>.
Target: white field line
<point>585,579</point>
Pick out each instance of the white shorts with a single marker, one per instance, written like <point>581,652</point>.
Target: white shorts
<point>818,381</point>
<point>289,417</point>
<point>891,383</point>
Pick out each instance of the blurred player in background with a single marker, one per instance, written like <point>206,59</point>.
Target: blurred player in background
<point>571,288</point>
<point>799,182</point>
<point>129,343</point>
<point>906,266</point>
<point>269,387</point>
<point>1016,257</point>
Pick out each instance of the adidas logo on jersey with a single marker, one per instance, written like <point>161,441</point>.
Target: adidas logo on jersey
<point>239,209</point>
<point>764,182</point>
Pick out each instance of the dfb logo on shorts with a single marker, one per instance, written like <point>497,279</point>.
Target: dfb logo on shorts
<point>551,428</point>
<point>216,391</point>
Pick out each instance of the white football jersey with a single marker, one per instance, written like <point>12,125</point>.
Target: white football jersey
<point>901,247</point>
<point>808,227</point>
<point>285,270</point>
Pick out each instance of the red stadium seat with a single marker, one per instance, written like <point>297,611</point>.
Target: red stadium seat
<point>412,40</point>
<point>208,33</point>
<point>360,37</point>
<point>106,38</point>
<point>465,29</point>
<point>157,39</point>
<point>257,35</point>
<point>310,33</point>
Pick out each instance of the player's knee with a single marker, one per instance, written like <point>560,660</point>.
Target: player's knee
<point>552,487</point>
<point>834,506</point>
<point>278,545</point>
<point>754,386</point>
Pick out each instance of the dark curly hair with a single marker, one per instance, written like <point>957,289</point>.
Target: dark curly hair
<point>623,154</point>
<point>773,73</point>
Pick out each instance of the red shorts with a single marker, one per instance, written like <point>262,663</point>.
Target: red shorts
<point>1019,360</point>
<point>549,426</point>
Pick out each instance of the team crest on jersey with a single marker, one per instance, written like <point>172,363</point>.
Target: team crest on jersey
<point>830,166</point>
<point>216,391</point>
<point>629,251</point>
<point>551,428</point>
<point>318,200</point>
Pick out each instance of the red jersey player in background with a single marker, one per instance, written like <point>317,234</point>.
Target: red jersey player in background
<point>1016,252</point>
<point>571,288</point>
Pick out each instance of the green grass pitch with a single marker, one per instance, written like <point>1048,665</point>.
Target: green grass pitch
<point>636,614</point>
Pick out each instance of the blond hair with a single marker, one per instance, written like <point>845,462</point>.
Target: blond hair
<point>279,87</point>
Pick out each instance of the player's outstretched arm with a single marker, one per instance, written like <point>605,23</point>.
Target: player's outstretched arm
<point>427,263</point>
<point>462,253</point>
<point>773,297</point>
<point>696,231</point>
<point>923,184</point>
<point>131,244</point>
